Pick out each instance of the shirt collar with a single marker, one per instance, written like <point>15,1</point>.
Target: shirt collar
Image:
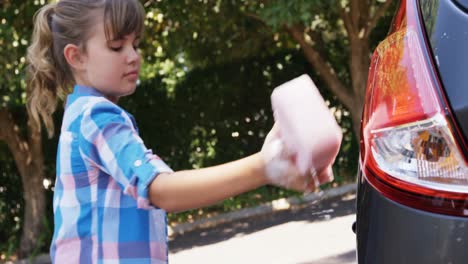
<point>85,90</point>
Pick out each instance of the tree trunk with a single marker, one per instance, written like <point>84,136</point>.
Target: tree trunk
<point>34,209</point>
<point>359,19</point>
<point>356,118</point>
<point>359,67</point>
<point>29,161</point>
<point>352,98</point>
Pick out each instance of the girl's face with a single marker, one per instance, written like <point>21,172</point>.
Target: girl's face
<point>112,67</point>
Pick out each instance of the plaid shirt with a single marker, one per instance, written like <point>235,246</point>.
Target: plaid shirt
<point>101,208</point>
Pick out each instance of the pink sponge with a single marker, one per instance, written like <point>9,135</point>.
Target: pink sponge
<point>307,127</point>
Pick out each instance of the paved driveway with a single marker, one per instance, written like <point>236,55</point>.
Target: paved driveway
<point>316,233</point>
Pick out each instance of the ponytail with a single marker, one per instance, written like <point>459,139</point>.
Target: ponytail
<point>43,75</point>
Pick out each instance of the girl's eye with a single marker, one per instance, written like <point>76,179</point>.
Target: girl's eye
<point>116,49</point>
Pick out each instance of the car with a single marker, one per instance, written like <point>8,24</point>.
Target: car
<point>412,194</point>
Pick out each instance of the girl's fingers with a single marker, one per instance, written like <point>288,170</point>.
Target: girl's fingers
<point>325,175</point>
<point>281,170</point>
<point>302,183</point>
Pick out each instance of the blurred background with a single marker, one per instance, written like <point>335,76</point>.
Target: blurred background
<point>203,96</point>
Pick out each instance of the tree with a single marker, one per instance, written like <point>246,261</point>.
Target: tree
<point>336,37</point>
<point>21,136</point>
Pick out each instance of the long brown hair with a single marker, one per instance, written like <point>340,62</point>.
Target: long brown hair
<point>50,77</point>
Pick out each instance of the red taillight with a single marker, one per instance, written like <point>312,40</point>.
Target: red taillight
<point>408,149</point>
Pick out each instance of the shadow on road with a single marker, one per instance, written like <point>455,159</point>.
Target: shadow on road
<point>315,211</point>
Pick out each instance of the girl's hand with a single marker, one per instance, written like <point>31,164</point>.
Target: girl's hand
<point>279,165</point>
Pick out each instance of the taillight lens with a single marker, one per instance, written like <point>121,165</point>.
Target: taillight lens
<point>408,148</point>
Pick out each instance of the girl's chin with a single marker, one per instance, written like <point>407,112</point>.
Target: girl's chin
<point>128,91</point>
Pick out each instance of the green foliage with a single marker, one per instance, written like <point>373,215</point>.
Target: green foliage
<point>279,13</point>
<point>196,34</point>
<point>208,32</point>
<point>15,33</point>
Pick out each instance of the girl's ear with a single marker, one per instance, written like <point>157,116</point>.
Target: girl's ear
<point>74,57</point>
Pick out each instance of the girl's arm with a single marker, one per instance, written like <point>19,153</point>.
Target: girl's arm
<point>190,189</point>
<point>184,190</point>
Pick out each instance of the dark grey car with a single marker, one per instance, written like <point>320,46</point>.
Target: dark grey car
<point>412,204</point>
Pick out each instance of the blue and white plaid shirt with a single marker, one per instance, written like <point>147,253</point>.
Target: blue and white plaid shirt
<point>101,209</point>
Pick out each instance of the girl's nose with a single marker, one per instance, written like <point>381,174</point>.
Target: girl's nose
<point>133,55</point>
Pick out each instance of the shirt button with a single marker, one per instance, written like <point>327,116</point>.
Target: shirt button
<point>137,163</point>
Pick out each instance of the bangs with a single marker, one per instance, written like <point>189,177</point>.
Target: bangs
<point>123,17</point>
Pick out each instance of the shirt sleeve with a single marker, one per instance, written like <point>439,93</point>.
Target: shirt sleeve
<point>112,143</point>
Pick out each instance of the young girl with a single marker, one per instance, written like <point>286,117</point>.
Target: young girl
<point>111,192</point>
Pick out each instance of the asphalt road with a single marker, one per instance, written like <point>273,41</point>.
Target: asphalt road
<point>316,233</point>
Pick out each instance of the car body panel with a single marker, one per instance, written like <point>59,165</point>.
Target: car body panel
<point>390,233</point>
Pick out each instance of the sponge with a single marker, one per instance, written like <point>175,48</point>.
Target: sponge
<point>307,127</point>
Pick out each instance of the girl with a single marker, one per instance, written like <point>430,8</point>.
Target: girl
<point>111,192</point>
